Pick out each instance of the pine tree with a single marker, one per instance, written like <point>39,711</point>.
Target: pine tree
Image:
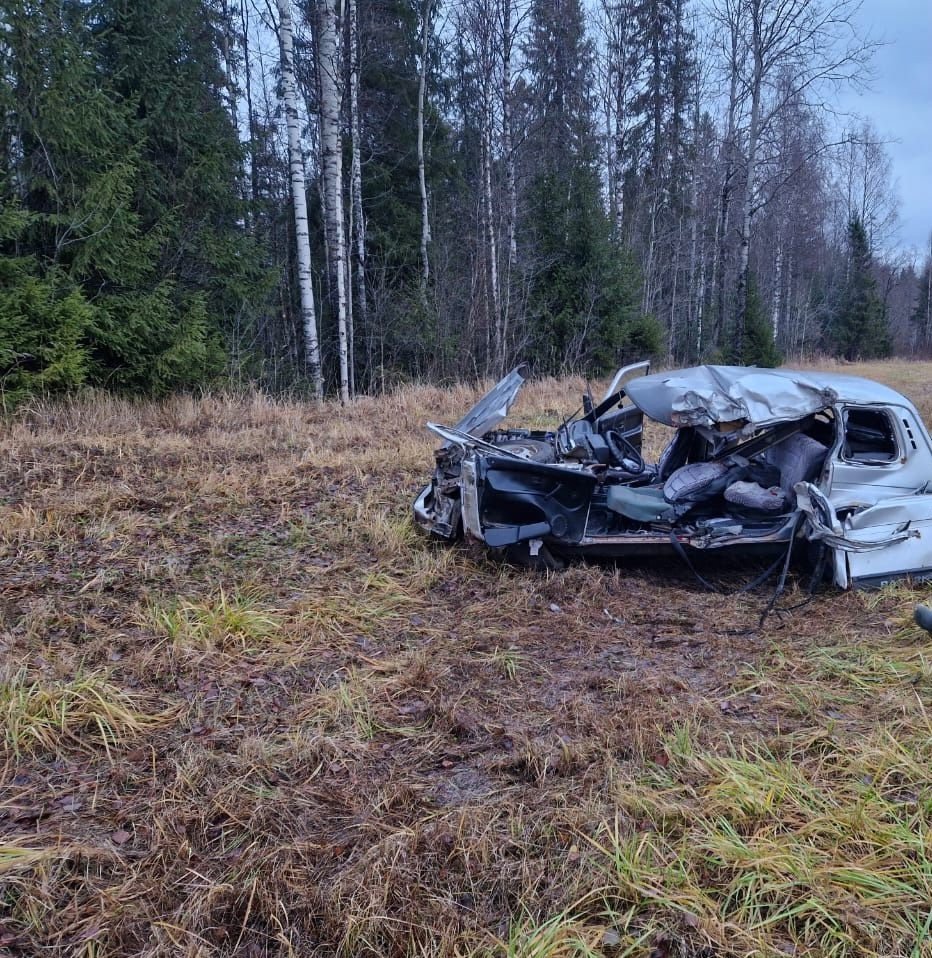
<point>859,328</point>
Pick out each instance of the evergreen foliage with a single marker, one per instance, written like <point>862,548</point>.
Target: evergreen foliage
<point>582,197</point>
<point>859,328</point>
<point>203,275</point>
<point>584,307</point>
<point>129,238</point>
<point>585,311</point>
<point>43,323</point>
<point>402,332</point>
<point>758,346</point>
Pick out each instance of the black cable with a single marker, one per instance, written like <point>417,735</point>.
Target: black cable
<point>783,558</point>
<point>782,581</point>
<point>749,587</point>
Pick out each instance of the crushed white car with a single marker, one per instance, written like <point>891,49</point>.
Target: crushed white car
<point>761,460</point>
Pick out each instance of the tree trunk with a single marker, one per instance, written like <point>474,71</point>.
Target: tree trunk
<point>491,251</point>
<point>251,115</point>
<point>777,291</point>
<point>358,232</point>
<point>332,159</point>
<point>511,212</point>
<point>724,210</point>
<point>421,173</point>
<point>747,211</point>
<point>299,199</point>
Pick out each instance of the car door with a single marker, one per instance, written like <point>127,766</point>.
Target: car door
<point>902,529</point>
<point>876,484</point>
<point>626,419</point>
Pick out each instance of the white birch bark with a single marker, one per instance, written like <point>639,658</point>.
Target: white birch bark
<point>299,199</point>
<point>777,291</point>
<point>358,231</point>
<point>348,286</point>
<point>511,213</point>
<point>730,19</point>
<point>332,169</point>
<point>421,174</point>
<point>495,303</point>
<point>747,208</point>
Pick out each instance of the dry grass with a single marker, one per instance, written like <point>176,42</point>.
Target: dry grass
<point>84,711</point>
<point>249,710</point>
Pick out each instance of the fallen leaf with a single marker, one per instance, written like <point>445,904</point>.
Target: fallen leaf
<point>411,708</point>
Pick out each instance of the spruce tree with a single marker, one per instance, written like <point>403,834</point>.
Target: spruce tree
<point>758,347</point>
<point>583,306</point>
<point>390,34</point>
<point>44,321</point>
<point>66,230</point>
<point>859,327</point>
<point>119,197</point>
<point>202,274</point>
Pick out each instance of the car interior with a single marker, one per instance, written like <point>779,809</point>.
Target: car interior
<point>705,473</point>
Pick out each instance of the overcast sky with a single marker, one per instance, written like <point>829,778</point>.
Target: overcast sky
<point>900,104</point>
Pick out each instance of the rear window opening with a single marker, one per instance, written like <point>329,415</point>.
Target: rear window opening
<point>870,436</point>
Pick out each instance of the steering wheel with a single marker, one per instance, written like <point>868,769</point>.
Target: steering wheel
<point>626,454</point>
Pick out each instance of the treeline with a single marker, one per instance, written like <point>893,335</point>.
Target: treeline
<point>337,195</point>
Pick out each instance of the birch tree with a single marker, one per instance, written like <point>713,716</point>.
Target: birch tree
<point>478,28</point>
<point>867,178</point>
<point>358,224</point>
<point>299,198</point>
<point>511,18</point>
<point>813,42</point>
<point>328,66</point>
<point>426,12</point>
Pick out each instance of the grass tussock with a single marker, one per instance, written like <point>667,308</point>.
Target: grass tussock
<point>379,746</point>
<point>825,852</point>
<point>226,622</point>
<point>39,715</point>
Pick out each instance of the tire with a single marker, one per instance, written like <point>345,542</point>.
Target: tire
<point>534,450</point>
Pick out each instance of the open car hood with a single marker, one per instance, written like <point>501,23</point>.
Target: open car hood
<point>493,406</point>
<point>710,395</point>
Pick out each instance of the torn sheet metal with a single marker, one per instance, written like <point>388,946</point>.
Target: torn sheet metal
<point>711,395</point>
<point>825,528</point>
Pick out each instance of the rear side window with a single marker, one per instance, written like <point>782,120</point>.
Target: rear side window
<point>870,436</point>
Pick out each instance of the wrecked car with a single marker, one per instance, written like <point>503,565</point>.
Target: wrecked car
<point>760,460</point>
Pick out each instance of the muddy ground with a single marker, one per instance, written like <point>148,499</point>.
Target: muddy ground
<point>247,709</point>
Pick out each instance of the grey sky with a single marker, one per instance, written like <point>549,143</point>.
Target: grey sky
<point>900,104</point>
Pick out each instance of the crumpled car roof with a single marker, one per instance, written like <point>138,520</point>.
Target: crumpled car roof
<point>709,395</point>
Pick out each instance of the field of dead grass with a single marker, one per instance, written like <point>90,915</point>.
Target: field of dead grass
<point>246,709</point>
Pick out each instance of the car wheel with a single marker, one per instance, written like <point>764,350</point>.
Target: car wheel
<point>535,450</point>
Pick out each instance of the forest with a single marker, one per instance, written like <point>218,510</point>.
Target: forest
<point>335,198</point>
